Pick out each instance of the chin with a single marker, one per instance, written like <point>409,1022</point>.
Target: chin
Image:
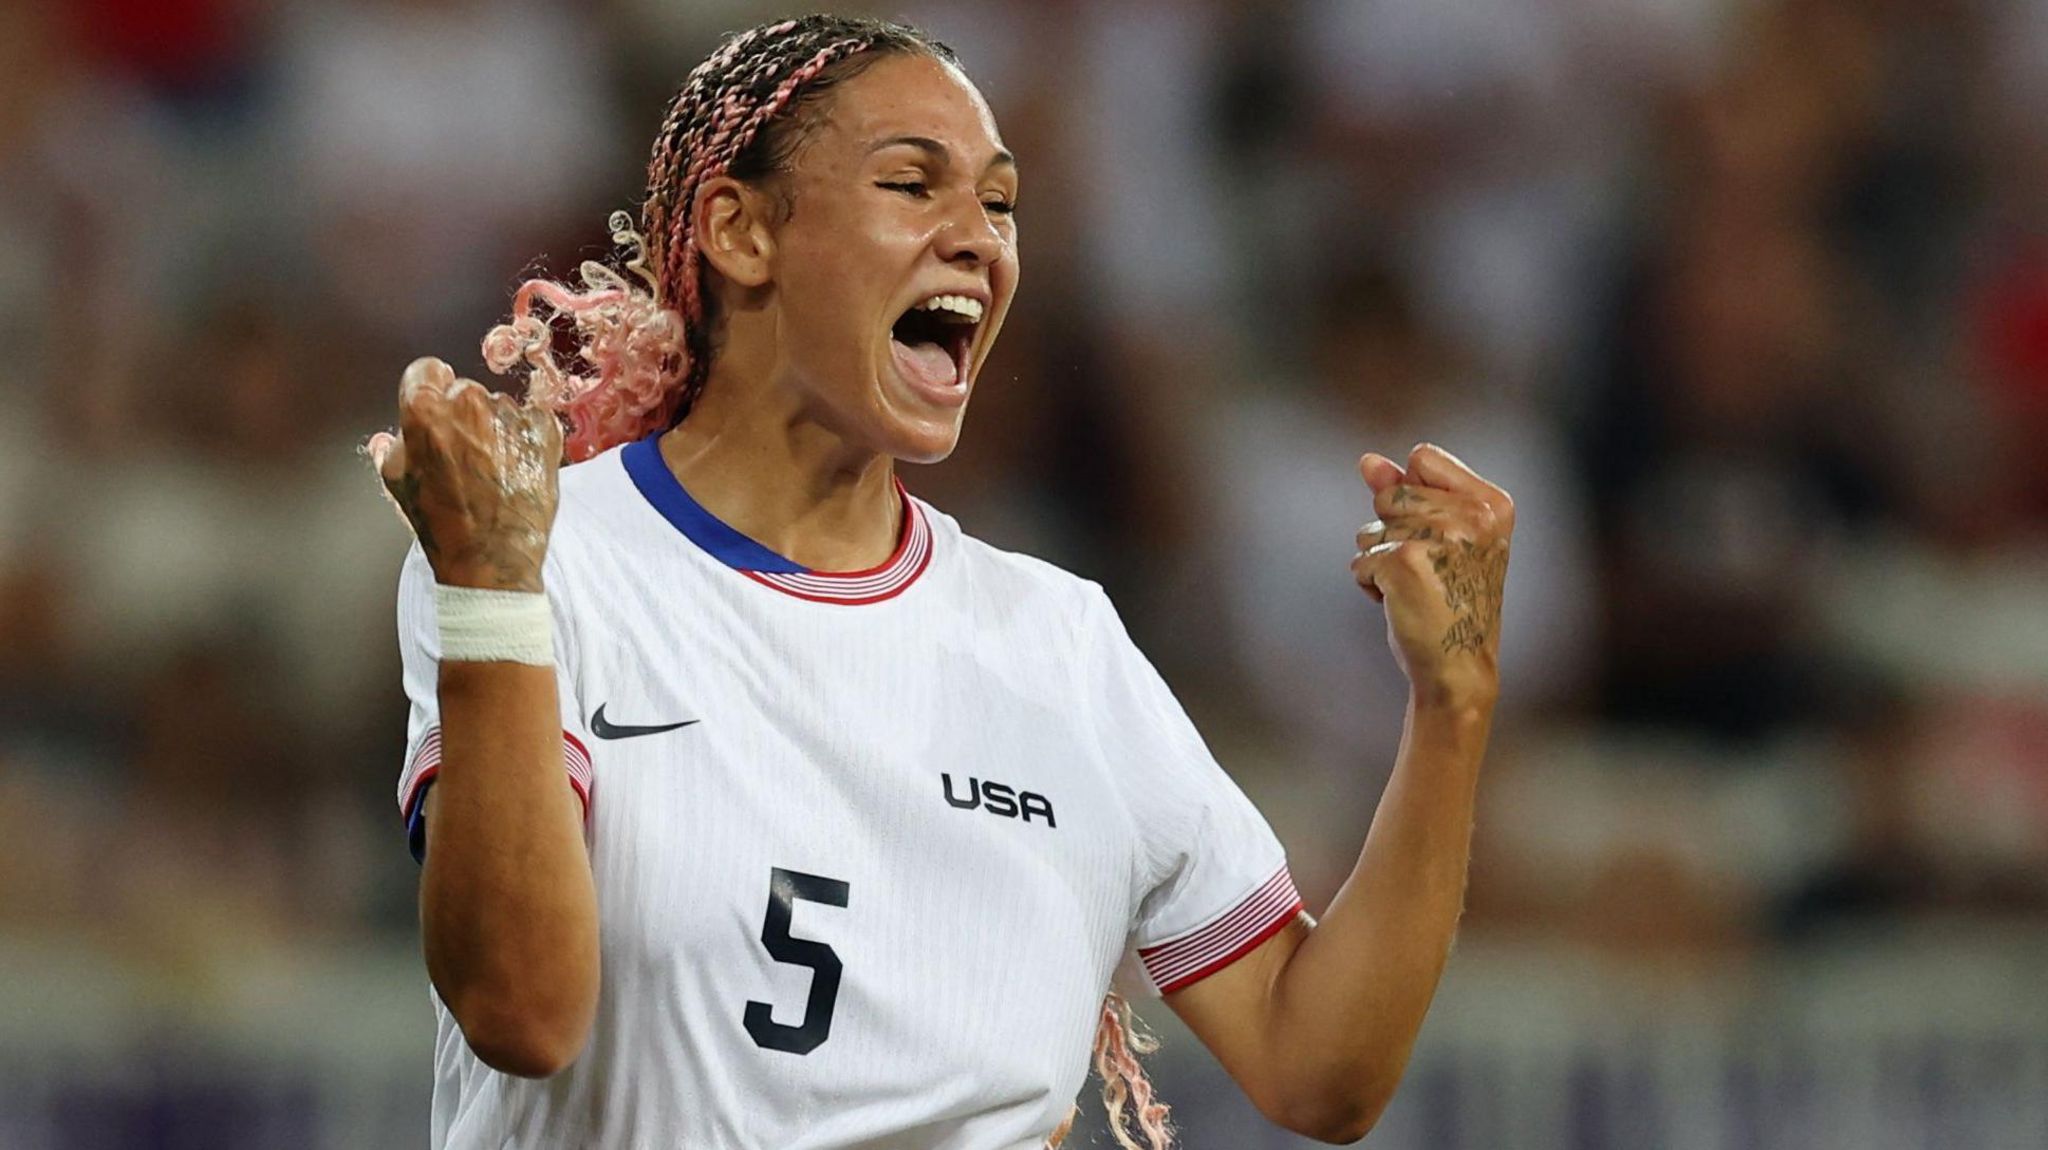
<point>923,442</point>
<point>903,426</point>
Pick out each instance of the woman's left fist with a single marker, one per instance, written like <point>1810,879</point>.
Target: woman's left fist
<point>1437,557</point>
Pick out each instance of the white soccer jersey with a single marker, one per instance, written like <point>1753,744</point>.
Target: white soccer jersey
<point>869,848</point>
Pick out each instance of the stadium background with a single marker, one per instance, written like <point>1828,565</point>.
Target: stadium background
<point>1746,302</point>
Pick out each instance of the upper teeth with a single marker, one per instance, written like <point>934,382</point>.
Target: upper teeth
<point>956,308</point>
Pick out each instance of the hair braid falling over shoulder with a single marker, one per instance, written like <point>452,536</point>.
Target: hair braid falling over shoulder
<point>643,336</point>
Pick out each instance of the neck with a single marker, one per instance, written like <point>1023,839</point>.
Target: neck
<point>763,466</point>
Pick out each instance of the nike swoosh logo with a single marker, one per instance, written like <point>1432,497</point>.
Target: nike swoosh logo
<point>608,730</point>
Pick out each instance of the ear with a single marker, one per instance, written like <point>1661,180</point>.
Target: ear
<point>732,230</point>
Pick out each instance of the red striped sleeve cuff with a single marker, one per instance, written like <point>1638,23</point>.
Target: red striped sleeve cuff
<point>1181,962</point>
<point>576,758</point>
<point>426,763</point>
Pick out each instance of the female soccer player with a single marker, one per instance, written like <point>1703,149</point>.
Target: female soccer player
<point>862,819</point>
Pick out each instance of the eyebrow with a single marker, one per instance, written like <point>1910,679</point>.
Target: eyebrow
<point>940,152</point>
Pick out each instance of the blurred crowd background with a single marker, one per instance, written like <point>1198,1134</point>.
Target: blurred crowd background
<point>1746,301</point>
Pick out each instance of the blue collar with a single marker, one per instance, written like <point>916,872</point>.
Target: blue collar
<point>658,484</point>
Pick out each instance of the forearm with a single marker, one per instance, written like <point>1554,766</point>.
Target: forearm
<point>508,909</point>
<point>1349,1003</point>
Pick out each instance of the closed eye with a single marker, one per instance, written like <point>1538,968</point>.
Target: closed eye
<point>916,189</point>
<point>1001,207</point>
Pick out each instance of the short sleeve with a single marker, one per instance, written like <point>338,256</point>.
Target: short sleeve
<point>419,646</point>
<point>1215,877</point>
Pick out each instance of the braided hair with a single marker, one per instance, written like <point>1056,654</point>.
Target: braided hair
<point>646,341</point>
<point>646,333</point>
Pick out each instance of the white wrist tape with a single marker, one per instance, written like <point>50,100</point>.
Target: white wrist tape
<point>479,625</point>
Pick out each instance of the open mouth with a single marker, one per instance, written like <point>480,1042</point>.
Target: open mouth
<point>932,340</point>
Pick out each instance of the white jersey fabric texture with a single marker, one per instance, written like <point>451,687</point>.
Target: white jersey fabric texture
<point>869,848</point>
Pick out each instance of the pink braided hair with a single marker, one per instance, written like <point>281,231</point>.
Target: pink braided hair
<point>1118,1044</point>
<point>1119,1041</point>
<point>645,341</point>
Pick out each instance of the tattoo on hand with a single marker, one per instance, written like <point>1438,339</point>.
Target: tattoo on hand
<point>501,539</point>
<point>406,491</point>
<point>1473,576</point>
<point>1465,634</point>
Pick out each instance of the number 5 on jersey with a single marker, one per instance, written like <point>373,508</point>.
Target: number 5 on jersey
<point>784,888</point>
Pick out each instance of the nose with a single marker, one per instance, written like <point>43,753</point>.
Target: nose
<point>970,237</point>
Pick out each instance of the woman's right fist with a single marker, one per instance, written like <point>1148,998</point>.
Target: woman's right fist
<point>474,473</point>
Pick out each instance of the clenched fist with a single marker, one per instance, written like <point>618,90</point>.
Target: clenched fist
<point>475,474</point>
<point>1437,556</point>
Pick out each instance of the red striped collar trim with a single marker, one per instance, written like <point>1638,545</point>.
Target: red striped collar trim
<point>885,581</point>
<point>664,493</point>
